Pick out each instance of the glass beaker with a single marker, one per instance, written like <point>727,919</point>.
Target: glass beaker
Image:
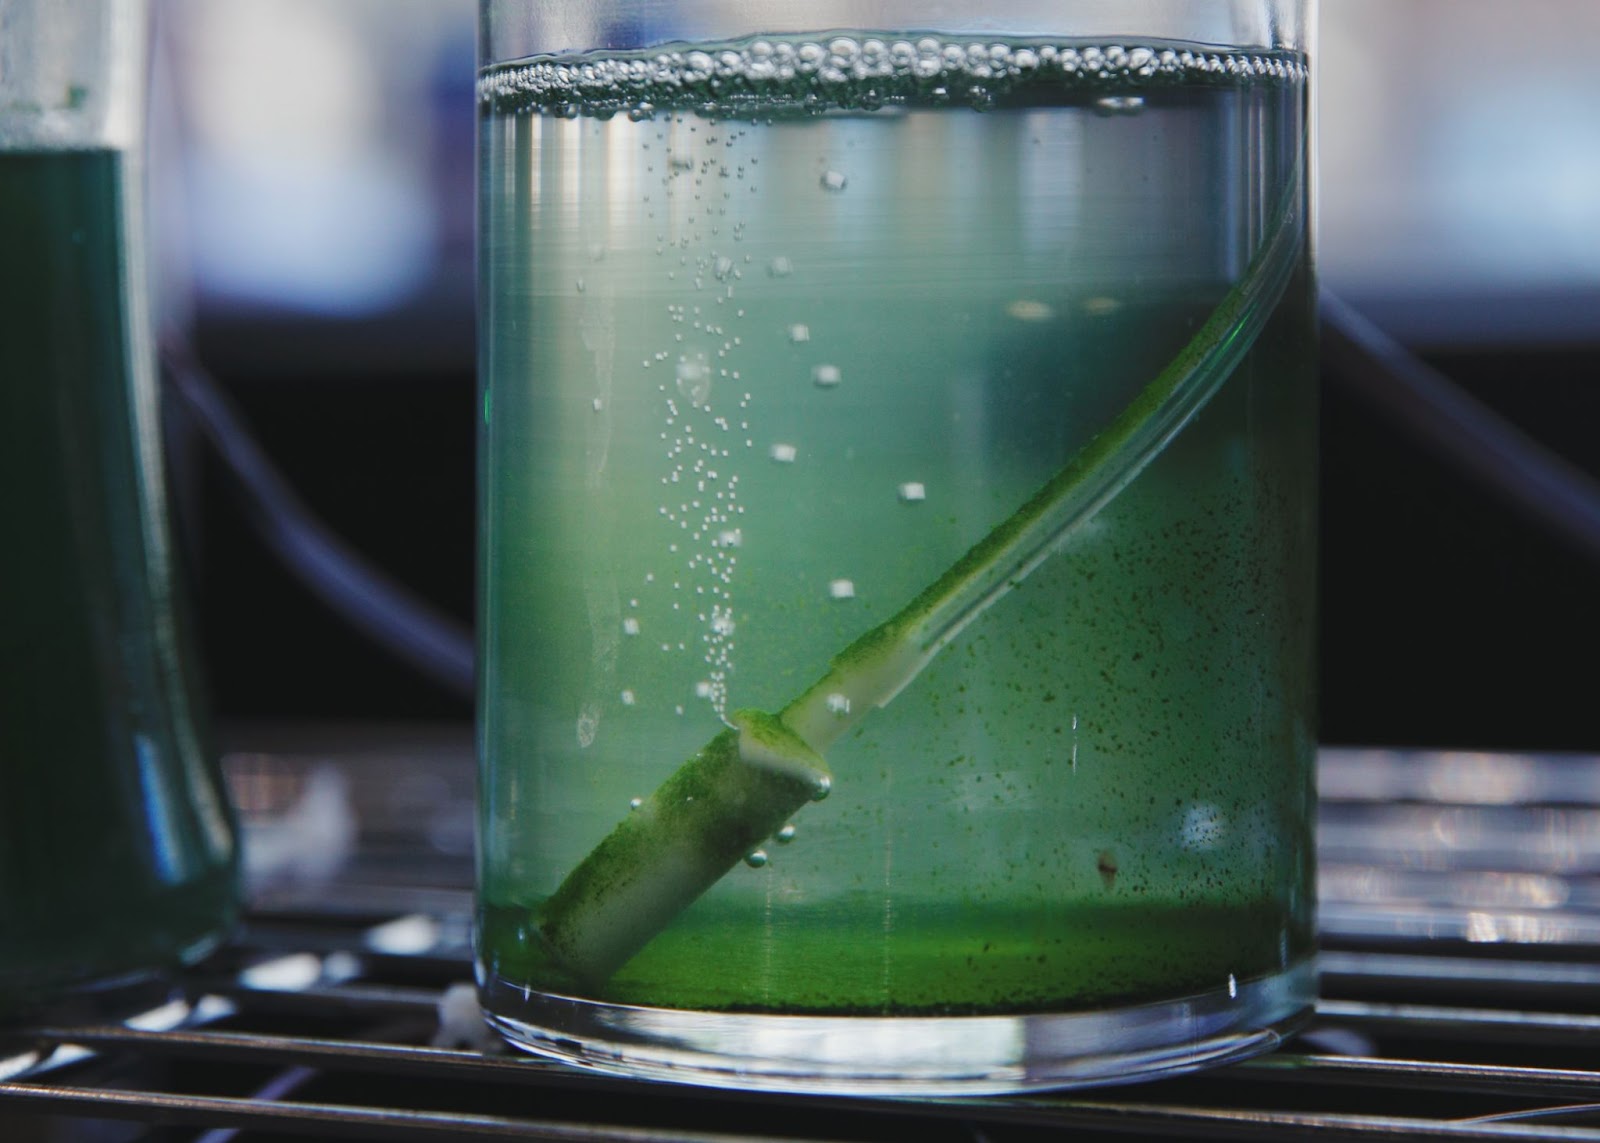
<point>910,406</point>
<point>117,855</point>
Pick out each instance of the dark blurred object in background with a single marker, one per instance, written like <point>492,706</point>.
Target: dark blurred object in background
<point>319,221</point>
<point>1448,615</point>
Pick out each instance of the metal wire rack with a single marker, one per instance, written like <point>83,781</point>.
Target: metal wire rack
<point>1459,978</point>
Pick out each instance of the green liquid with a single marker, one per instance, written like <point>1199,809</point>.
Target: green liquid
<point>116,853</point>
<point>757,369</point>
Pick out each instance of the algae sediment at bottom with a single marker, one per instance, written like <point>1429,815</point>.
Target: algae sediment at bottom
<point>919,959</point>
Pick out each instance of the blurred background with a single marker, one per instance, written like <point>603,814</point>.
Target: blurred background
<point>315,186</point>
<point>313,166</point>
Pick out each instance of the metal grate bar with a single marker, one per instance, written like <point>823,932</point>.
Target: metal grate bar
<point>1419,1075</point>
<point>1359,967</point>
<point>1538,1084</point>
<point>372,1001</point>
<point>440,1063</point>
<point>1476,1025</point>
<point>340,1119</point>
<point>1215,1123</point>
<point>1461,981</point>
<point>1142,1118</point>
<point>361,1055</point>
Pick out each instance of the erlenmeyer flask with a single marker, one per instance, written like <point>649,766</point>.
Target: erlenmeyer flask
<point>117,851</point>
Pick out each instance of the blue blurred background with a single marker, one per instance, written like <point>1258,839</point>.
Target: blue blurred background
<point>314,174</point>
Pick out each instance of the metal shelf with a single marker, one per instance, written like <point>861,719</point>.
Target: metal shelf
<point>1456,1006</point>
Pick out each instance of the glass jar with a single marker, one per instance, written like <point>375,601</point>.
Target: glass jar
<point>896,571</point>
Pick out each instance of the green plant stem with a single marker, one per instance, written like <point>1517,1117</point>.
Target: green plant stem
<point>747,782</point>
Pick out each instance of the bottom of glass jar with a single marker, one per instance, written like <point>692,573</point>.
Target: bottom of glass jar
<point>909,1055</point>
<point>98,1001</point>
<point>85,993</point>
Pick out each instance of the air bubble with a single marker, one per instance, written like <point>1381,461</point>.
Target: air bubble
<point>780,267</point>
<point>822,789</point>
<point>799,332</point>
<point>635,803</point>
<point>843,49</point>
<point>588,724</point>
<point>1119,105</point>
<point>756,858</point>
<point>842,589</point>
<point>1203,828</point>
<point>832,181</point>
<point>783,453</point>
<point>1027,309</point>
<point>699,67</point>
<point>785,835</point>
<point>628,698</point>
<point>694,379</point>
<point>630,626</point>
<point>723,267</point>
<point>913,491</point>
<point>839,704</point>
<point>598,404</point>
<point>826,376</point>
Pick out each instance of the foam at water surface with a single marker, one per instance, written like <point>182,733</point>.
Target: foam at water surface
<point>855,72</point>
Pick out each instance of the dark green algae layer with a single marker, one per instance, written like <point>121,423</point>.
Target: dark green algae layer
<point>918,960</point>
